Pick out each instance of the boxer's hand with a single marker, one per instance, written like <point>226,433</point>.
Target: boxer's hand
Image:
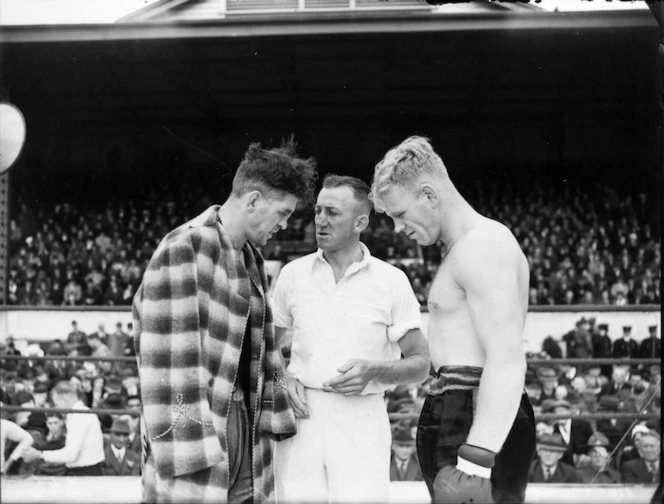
<point>469,481</point>
<point>296,394</point>
<point>355,374</point>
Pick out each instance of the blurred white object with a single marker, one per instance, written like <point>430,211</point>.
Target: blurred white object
<point>34,350</point>
<point>12,135</point>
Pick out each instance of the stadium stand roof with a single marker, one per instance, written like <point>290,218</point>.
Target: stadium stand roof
<point>70,20</point>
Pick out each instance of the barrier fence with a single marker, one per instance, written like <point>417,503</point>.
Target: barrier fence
<point>393,416</point>
<point>530,361</point>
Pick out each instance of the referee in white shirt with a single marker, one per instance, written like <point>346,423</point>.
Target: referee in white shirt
<point>352,316</point>
<point>83,452</point>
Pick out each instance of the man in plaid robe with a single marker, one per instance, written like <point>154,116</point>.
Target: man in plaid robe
<point>208,365</point>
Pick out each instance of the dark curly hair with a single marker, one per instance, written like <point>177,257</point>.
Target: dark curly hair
<point>275,170</point>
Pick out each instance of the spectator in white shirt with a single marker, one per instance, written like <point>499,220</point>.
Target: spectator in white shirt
<point>352,317</point>
<point>83,452</point>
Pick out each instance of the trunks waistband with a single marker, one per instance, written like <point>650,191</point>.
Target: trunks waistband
<point>455,378</point>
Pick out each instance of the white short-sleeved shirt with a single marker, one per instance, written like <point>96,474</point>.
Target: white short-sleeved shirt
<point>84,445</point>
<point>361,317</point>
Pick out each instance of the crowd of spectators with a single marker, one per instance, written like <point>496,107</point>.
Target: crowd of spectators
<point>584,246</point>
<point>32,382</point>
<point>575,450</point>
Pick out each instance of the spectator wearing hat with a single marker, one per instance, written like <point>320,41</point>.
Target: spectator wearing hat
<point>631,451</point>
<point>40,394</point>
<point>579,341</point>
<point>548,467</point>
<point>11,347</point>
<point>548,379</point>
<point>599,469</point>
<point>646,468</point>
<point>640,396</point>
<point>403,463</point>
<point>113,385</point>
<point>595,380</point>
<point>583,398</point>
<point>574,432</point>
<point>603,347</point>
<point>119,459</point>
<point>129,349</point>
<point>651,347</point>
<point>625,346</point>
<point>612,428</point>
<point>116,343</point>
<point>619,385</point>
<point>552,348</point>
<point>77,339</point>
<point>112,401</point>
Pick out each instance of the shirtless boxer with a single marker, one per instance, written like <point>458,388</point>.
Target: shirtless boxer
<point>476,433</point>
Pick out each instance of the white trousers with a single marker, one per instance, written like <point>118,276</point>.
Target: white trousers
<point>341,453</point>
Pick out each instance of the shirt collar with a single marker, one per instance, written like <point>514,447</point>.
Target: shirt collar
<point>356,266</point>
<point>119,452</point>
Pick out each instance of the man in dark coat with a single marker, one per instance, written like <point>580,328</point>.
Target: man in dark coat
<point>548,468</point>
<point>626,346</point>
<point>651,347</point>
<point>77,339</point>
<point>119,459</point>
<point>579,341</point>
<point>575,433</point>
<point>403,463</point>
<point>603,347</point>
<point>600,469</point>
<point>646,468</point>
<point>613,428</point>
<point>619,385</point>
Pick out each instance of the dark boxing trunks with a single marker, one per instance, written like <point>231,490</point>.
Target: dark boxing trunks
<point>445,421</point>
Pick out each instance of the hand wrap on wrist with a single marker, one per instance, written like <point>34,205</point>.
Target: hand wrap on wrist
<point>475,460</point>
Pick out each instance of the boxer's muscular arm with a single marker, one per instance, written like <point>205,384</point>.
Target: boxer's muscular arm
<point>413,368</point>
<point>489,275</point>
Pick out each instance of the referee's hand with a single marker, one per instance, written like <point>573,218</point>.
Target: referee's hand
<point>354,377</point>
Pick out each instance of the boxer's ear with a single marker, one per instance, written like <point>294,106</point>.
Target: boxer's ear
<point>252,200</point>
<point>429,192</point>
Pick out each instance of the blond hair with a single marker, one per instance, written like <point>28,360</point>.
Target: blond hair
<point>403,164</point>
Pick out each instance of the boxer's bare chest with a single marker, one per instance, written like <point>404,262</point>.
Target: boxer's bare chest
<point>445,295</point>
<point>450,331</point>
